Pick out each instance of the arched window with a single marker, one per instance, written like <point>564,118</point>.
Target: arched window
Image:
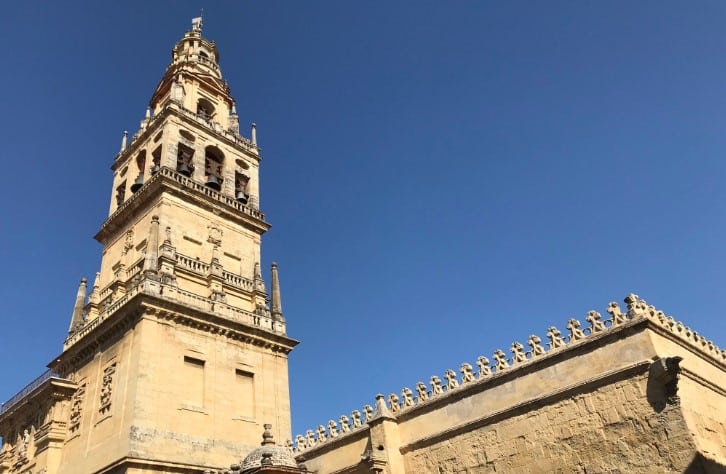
<point>213,161</point>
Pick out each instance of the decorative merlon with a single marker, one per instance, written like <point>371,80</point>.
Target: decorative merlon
<point>636,309</point>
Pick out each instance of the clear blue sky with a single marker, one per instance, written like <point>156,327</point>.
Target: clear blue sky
<point>442,177</point>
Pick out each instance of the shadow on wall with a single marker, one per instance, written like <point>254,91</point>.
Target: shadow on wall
<point>662,389</point>
<point>701,465</point>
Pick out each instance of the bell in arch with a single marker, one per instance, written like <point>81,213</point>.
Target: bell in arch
<point>213,182</point>
<point>184,169</point>
<point>137,183</point>
<point>241,197</point>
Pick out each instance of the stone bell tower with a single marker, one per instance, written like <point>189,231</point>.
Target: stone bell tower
<point>177,357</point>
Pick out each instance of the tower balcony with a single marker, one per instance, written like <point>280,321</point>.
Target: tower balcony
<point>182,304</point>
<point>172,107</point>
<point>24,394</point>
<point>169,180</point>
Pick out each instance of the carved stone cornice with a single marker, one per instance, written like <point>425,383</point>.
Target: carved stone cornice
<point>179,313</point>
<point>175,109</point>
<point>168,180</point>
<point>141,301</point>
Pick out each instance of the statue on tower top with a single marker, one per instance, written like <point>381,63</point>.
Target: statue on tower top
<point>197,24</point>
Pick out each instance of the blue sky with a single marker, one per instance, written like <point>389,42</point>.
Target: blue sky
<point>442,178</point>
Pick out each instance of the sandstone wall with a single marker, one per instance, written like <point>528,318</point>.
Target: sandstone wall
<point>610,429</point>
<point>636,393</point>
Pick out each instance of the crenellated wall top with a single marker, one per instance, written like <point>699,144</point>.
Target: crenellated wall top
<point>488,369</point>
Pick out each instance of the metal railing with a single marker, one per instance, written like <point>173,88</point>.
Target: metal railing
<point>48,374</point>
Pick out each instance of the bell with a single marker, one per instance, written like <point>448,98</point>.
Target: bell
<point>184,169</point>
<point>241,197</point>
<point>213,182</point>
<point>154,169</point>
<point>137,183</point>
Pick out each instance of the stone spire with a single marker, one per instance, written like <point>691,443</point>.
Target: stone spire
<point>276,301</point>
<point>253,134</point>
<point>123,140</point>
<point>95,290</point>
<point>77,317</point>
<point>259,283</point>
<point>152,248</point>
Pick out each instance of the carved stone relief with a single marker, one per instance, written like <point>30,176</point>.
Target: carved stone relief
<point>77,408</point>
<point>107,388</point>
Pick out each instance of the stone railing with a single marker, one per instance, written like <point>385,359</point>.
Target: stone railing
<point>190,183</point>
<point>172,293</point>
<point>192,264</point>
<point>48,374</point>
<point>135,269</point>
<point>201,268</point>
<point>424,393</point>
<point>237,281</point>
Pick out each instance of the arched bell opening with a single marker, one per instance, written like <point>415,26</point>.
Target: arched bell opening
<point>140,166</point>
<point>240,187</point>
<point>121,193</point>
<point>213,162</point>
<point>156,160</point>
<point>184,160</point>
<point>205,109</point>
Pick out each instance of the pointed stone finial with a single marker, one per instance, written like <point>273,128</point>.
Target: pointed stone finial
<point>259,284</point>
<point>253,134</point>
<point>267,437</point>
<point>77,317</point>
<point>151,260</point>
<point>234,109</point>
<point>276,302</point>
<point>382,410</point>
<point>94,296</point>
<point>123,140</point>
<point>148,113</point>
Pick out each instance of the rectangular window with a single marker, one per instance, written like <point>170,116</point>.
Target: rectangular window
<point>244,394</point>
<point>193,377</point>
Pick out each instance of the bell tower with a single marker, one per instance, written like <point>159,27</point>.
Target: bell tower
<point>178,355</point>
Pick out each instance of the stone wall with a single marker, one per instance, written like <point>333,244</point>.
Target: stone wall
<point>637,392</point>
<point>609,429</point>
